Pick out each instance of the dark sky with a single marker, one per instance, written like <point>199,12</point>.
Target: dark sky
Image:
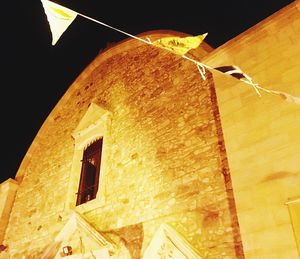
<point>36,74</point>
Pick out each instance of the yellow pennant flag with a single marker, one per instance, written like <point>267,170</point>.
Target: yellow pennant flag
<point>59,18</point>
<point>180,45</point>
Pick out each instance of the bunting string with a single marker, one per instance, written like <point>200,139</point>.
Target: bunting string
<point>116,29</point>
<point>60,17</point>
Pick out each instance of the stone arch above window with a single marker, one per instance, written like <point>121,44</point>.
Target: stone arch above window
<point>93,129</point>
<point>95,117</point>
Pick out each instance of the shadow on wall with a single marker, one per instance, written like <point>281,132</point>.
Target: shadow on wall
<point>131,237</point>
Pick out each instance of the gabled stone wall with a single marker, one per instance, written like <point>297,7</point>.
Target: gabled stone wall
<point>165,163</point>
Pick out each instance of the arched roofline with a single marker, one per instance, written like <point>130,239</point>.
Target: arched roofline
<point>104,54</point>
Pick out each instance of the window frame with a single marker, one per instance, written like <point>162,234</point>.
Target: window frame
<point>95,124</point>
<point>96,153</point>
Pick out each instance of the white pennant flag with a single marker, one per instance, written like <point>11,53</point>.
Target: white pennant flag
<point>59,18</point>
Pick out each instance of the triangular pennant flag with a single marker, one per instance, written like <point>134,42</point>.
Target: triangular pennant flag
<point>233,71</point>
<point>59,18</point>
<point>239,74</point>
<point>180,45</point>
<point>236,72</point>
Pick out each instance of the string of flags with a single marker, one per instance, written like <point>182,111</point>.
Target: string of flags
<point>237,73</point>
<point>60,18</point>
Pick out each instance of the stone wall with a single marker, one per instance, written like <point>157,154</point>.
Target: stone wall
<point>7,196</point>
<point>167,158</point>
<point>262,133</point>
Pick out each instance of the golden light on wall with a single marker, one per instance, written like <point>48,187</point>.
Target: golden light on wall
<point>294,210</point>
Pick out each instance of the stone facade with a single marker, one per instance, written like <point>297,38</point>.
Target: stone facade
<point>262,133</point>
<point>191,168</point>
<point>163,158</point>
<point>8,191</point>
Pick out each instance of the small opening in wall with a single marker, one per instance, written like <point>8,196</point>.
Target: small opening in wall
<point>90,171</point>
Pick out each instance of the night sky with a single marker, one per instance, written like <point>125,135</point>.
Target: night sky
<point>36,74</point>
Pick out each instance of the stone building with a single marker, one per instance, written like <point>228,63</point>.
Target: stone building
<point>144,158</point>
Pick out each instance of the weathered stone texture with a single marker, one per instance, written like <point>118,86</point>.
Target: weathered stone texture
<point>8,191</point>
<point>262,133</point>
<point>166,158</point>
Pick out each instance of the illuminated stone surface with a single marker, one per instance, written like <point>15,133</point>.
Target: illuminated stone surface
<point>262,133</point>
<point>165,161</point>
<point>7,196</point>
